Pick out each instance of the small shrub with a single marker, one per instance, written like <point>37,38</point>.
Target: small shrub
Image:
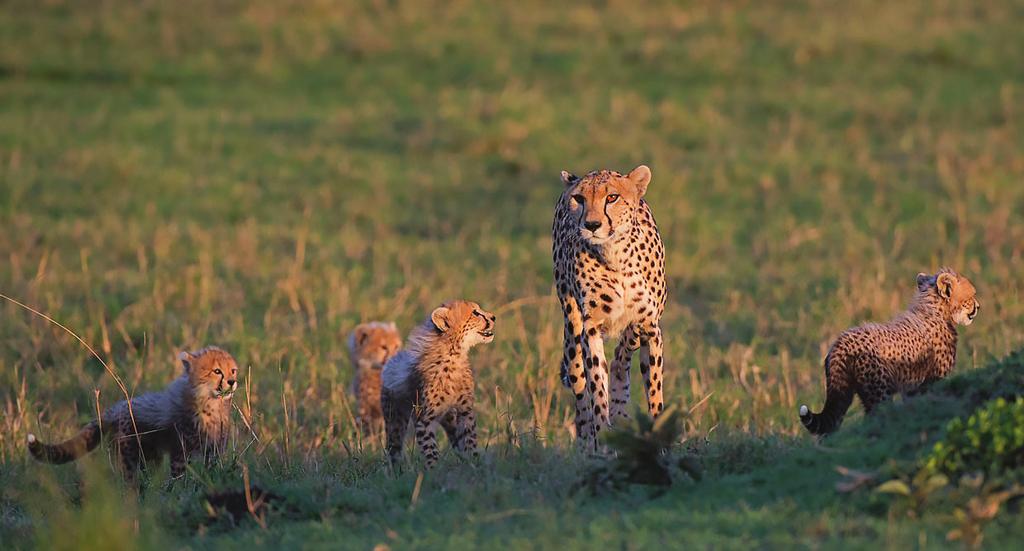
<point>990,441</point>
<point>642,454</point>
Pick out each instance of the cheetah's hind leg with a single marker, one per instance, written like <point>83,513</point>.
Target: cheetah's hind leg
<point>129,457</point>
<point>396,420</point>
<point>460,426</point>
<point>628,344</point>
<point>652,362</point>
<point>922,388</point>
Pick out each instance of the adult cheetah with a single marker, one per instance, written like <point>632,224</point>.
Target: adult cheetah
<point>917,347</point>
<point>609,267</point>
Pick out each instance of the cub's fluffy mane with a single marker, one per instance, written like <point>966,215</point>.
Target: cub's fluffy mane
<point>422,338</point>
<point>399,368</point>
<point>352,347</point>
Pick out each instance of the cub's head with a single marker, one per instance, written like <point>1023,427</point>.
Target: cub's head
<point>604,202</point>
<point>465,322</point>
<point>212,372</point>
<point>374,343</point>
<point>954,292</point>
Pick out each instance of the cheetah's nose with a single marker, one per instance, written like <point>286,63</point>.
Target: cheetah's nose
<point>231,382</point>
<point>592,224</point>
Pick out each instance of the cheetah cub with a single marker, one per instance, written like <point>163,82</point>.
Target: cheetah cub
<point>192,415</point>
<point>431,380</point>
<point>917,347</point>
<point>370,346</point>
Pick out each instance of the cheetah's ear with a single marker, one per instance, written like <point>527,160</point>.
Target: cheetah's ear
<point>944,283</point>
<point>186,360</point>
<point>922,280</point>
<point>641,176</point>
<point>568,178</point>
<point>440,318</point>
<point>361,334</point>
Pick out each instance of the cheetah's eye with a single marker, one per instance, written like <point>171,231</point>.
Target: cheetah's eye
<point>218,371</point>
<point>612,198</point>
<point>579,199</point>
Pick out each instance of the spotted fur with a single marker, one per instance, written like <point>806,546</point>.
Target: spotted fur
<point>370,346</point>
<point>905,355</point>
<point>431,382</point>
<point>191,415</point>
<point>609,268</point>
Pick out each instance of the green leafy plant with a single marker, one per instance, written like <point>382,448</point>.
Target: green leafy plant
<point>915,492</point>
<point>990,441</point>
<point>976,465</point>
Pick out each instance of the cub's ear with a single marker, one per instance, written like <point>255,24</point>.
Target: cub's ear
<point>186,360</point>
<point>568,178</point>
<point>393,327</point>
<point>922,279</point>
<point>640,176</point>
<point>440,318</point>
<point>944,283</point>
<point>362,333</point>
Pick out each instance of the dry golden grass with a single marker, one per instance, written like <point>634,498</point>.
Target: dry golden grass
<point>265,175</point>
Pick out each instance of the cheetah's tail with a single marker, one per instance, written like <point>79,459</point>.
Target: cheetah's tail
<point>69,450</point>
<point>838,398</point>
<point>819,423</point>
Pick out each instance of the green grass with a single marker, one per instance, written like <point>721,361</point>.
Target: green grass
<point>262,176</point>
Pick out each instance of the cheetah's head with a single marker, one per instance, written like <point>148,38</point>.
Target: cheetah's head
<point>954,292</point>
<point>465,322</point>
<point>372,344</point>
<point>605,202</point>
<point>212,372</point>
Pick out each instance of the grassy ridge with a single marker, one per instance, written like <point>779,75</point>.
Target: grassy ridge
<point>265,175</point>
<point>770,491</point>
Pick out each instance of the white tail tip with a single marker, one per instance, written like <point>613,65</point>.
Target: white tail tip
<point>31,438</point>
<point>803,411</point>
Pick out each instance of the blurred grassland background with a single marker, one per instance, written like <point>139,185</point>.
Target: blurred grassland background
<point>265,175</point>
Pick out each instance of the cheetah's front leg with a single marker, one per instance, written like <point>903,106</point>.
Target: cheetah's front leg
<point>597,371</point>
<point>575,374</point>
<point>179,462</point>
<point>179,454</point>
<point>426,439</point>
<point>652,361</point>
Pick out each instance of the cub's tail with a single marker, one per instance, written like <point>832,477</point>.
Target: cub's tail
<point>69,450</point>
<point>838,397</point>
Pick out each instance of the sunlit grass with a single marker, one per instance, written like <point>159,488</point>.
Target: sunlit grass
<point>263,176</point>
